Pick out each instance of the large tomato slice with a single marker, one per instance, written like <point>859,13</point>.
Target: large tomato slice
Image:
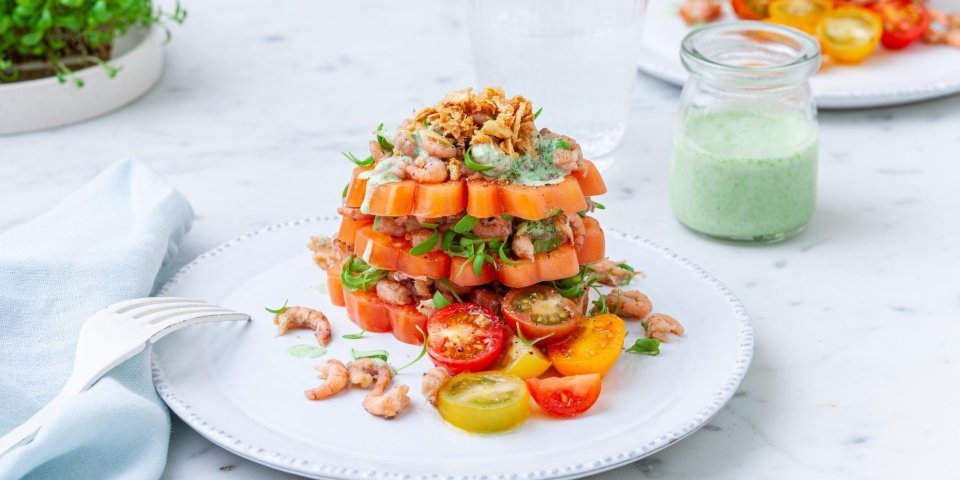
<point>850,33</point>
<point>566,396</point>
<point>488,198</point>
<point>591,183</point>
<point>594,243</point>
<point>464,337</point>
<point>335,286</point>
<point>560,263</point>
<point>593,347</point>
<point>391,253</point>
<point>348,229</point>
<point>462,273</point>
<point>539,311</point>
<point>903,22</point>
<point>357,188</point>
<point>374,315</point>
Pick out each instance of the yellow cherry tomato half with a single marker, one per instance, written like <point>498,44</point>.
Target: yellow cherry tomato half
<point>849,34</point>
<point>522,360</point>
<point>484,402</point>
<point>592,348</point>
<point>803,15</point>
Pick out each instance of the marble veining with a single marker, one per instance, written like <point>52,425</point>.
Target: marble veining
<point>855,367</point>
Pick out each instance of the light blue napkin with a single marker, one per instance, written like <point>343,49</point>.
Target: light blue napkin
<point>104,243</point>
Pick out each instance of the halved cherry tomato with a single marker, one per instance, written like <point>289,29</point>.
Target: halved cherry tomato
<point>540,311</point>
<point>594,243</point>
<point>348,229</point>
<point>335,286</point>
<point>751,9</point>
<point>390,253</point>
<point>374,315</point>
<point>591,183</point>
<point>522,360</point>
<point>484,402</point>
<point>850,33</point>
<point>367,311</point>
<point>592,348</point>
<point>464,337</point>
<point>462,273</point>
<point>566,396</point>
<point>357,188</point>
<point>903,22</point>
<point>800,14</point>
<point>560,263</point>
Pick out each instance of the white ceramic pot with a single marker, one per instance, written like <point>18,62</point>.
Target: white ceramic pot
<point>45,102</point>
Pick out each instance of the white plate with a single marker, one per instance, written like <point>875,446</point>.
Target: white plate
<point>237,386</point>
<point>886,78</point>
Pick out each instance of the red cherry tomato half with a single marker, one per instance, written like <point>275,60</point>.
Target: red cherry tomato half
<point>566,396</point>
<point>539,311</point>
<point>464,337</point>
<point>903,22</point>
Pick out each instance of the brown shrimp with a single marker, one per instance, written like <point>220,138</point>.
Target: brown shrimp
<point>493,227</point>
<point>325,251</point>
<point>334,375</point>
<point>394,293</point>
<point>428,170</point>
<point>660,324</point>
<point>433,381</point>
<point>571,229</point>
<point>292,318</point>
<point>365,371</point>
<point>522,246</point>
<point>420,236</point>
<point>611,273</point>
<point>387,404</point>
<point>628,303</point>
<point>353,213</point>
<point>570,159</point>
<point>404,143</point>
<point>435,145</point>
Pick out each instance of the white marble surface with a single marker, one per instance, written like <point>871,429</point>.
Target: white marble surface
<point>856,368</point>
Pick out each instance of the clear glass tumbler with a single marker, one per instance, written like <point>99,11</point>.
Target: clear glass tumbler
<point>745,146</point>
<point>577,59</point>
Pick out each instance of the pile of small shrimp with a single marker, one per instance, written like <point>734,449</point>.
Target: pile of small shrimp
<point>633,303</point>
<point>364,373</point>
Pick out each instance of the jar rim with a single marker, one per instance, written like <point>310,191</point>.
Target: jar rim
<point>806,47</point>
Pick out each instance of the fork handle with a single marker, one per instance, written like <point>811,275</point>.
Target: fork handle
<point>26,430</point>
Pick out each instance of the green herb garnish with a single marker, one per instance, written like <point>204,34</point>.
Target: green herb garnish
<point>447,284</point>
<point>366,162</point>
<point>427,245</point>
<point>381,354</point>
<point>439,301</point>
<point>478,167</point>
<point>563,144</point>
<point>357,274</point>
<point>355,336</point>
<point>599,206</point>
<point>277,311</point>
<point>423,351</point>
<point>426,123</point>
<point>382,141</point>
<point>376,223</point>
<point>465,224</point>
<point>645,346</point>
<point>537,113</point>
<point>503,255</point>
<point>527,341</point>
<point>645,325</point>
<point>346,188</point>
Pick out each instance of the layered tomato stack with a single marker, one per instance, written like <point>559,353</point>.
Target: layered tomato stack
<point>466,201</point>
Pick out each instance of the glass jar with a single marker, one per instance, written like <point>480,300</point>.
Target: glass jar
<point>745,146</point>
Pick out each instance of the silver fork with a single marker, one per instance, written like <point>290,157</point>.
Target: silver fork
<point>113,335</point>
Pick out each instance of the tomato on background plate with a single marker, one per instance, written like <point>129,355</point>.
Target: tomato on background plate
<point>751,9</point>
<point>464,337</point>
<point>593,347</point>
<point>540,311</point>
<point>566,396</point>
<point>800,14</point>
<point>849,33</point>
<point>903,22</point>
<point>484,402</point>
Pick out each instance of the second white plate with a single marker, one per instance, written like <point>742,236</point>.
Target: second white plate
<point>236,385</point>
<point>919,72</point>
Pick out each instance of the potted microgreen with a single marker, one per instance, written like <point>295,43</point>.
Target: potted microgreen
<point>63,61</point>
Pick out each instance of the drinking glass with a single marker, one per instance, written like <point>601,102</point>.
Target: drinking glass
<point>576,59</point>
